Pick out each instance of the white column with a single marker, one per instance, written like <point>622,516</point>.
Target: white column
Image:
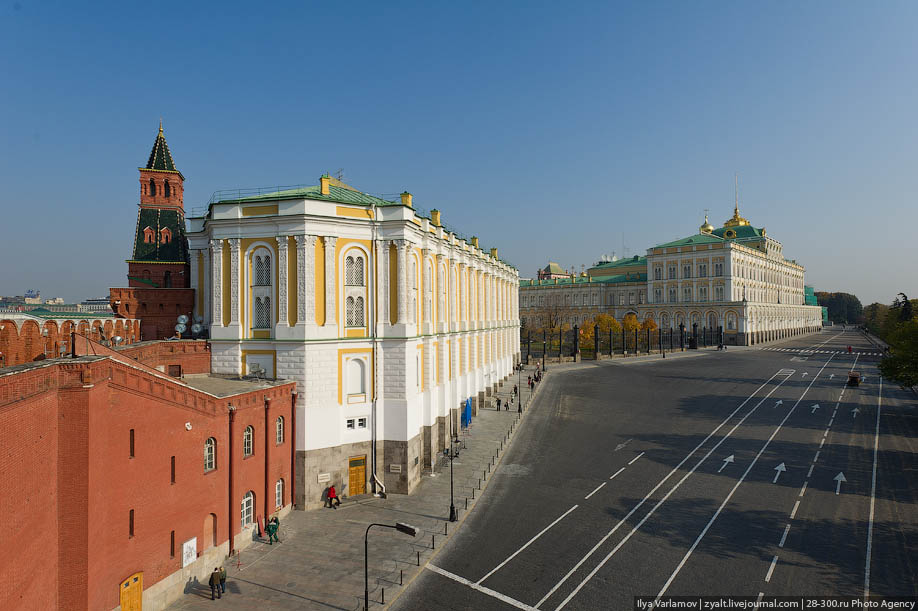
<point>427,296</point>
<point>282,319</point>
<point>330,289</point>
<point>193,281</point>
<point>382,281</point>
<point>305,280</point>
<point>207,313</point>
<point>235,302</point>
<point>216,259</point>
<point>402,266</point>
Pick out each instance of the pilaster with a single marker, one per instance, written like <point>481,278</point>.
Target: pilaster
<point>402,246</point>
<point>216,258</point>
<point>282,319</point>
<point>330,288</point>
<point>235,303</point>
<point>305,281</point>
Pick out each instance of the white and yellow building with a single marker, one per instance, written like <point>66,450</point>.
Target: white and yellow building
<point>387,321</point>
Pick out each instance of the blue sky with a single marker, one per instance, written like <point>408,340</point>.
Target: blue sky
<point>550,130</point>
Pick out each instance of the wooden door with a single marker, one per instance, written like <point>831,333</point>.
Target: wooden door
<point>132,593</point>
<point>357,475</point>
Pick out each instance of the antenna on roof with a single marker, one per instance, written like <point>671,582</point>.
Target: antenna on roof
<point>339,174</point>
<point>736,192</point>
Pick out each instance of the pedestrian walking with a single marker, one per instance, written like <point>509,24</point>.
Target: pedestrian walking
<point>222,580</point>
<point>273,525</point>
<point>529,380</point>
<point>333,497</point>
<point>214,583</point>
<point>498,403</point>
<point>516,390</point>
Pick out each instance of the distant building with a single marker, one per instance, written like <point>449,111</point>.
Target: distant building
<point>732,280</point>
<point>158,271</point>
<point>96,304</point>
<point>553,271</point>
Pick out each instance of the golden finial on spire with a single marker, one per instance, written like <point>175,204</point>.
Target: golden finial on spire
<point>737,220</point>
<point>160,125</point>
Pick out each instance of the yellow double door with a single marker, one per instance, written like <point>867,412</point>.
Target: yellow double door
<point>132,593</point>
<point>357,475</point>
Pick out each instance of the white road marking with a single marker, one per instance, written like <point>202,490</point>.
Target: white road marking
<point>780,469</point>
<point>823,441</point>
<point>739,483</point>
<point>660,483</point>
<point>771,569</point>
<point>811,470</point>
<point>839,479</point>
<point>527,544</point>
<point>759,599</point>
<point>594,491</point>
<point>815,458</point>
<point>832,419</point>
<point>793,512</point>
<point>803,490</point>
<point>617,472</point>
<point>784,536</point>
<point>502,597</point>
<point>635,458</point>
<point>873,491</point>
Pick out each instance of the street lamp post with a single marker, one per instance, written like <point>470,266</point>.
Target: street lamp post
<point>450,453</point>
<point>401,527</point>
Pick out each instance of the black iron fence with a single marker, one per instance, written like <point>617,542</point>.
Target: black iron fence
<point>565,344</point>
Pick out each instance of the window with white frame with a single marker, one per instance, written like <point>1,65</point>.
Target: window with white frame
<point>686,293</point>
<point>657,295</point>
<point>672,272</point>
<point>279,494</point>
<point>658,273</point>
<point>261,288</point>
<point>279,430</point>
<point>355,289</point>
<point>361,423</point>
<point>719,293</point>
<point>413,290</point>
<point>631,298</point>
<point>702,293</point>
<point>687,271</point>
<point>247,437</point>
<point>702,270</point>
<point>718,269</point>
<point>247,509</point>
<point>210,454</point>
<point>356,377</point>
<point>427,292</point>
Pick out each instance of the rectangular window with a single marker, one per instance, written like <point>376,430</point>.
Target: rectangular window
<point>132,443</point>
<point>687,294</point>
<point>131,523</point>
<point>703,270</point>
<point>350,423</point>
<point>361,423</point>
<point>172,544</point>
<point>172,468</point>
<point>686,271</point>
<point>657,295</point>
<point>672,271</point>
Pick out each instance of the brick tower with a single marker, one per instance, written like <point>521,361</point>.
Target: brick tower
<point>158,270</point>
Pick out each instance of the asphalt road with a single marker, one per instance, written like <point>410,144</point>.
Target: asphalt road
<point>737,473</point>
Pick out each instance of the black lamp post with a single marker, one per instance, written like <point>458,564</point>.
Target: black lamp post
<point>401,527</point>
<point>682,336</point>
<point>450,453</point>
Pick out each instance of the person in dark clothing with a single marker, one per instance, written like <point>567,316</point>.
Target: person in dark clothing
<point>333,497</point>
<point>272,527</point>
<point>222,580</point>
<point>498,403</point>
<point>214,583</point>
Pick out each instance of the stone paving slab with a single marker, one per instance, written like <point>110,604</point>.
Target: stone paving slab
<point>319,563</point>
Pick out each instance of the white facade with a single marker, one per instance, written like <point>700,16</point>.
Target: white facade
<point>386,321</point>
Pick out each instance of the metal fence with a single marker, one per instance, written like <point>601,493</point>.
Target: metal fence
<point>557,343</point>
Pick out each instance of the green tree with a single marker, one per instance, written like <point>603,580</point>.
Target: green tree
<point>842,307</point>
<point>875,318</point>
<point>901,365</point>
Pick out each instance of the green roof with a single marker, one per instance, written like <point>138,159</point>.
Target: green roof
<point>698,238</point>
<point>160,157</point>
<point>742,231</point>
<point>157,219</point>
<point>626,262</point>
<point>553,268</point>
<point>43,313</point>
<point>335,194</point>
<point>619,278</point>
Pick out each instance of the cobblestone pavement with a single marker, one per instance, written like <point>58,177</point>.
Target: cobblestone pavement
<point>319,562</point>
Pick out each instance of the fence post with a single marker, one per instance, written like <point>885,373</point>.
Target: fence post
<point>623,341</point>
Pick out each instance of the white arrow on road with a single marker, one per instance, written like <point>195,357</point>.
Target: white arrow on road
<point>780,402</point>
<point>839,478</point>
<point>805,374</point>
<point>815,407</point>
<point>854,412</point>
<point>831,375</point>
<point>622,445</point>
<point>779,469</point>
<point>726,460</point>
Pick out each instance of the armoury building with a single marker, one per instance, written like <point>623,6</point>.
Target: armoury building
<point>733,279</point>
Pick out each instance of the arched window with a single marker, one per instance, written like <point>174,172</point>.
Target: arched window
<point>260,279</point>
<point>262,270</point>
<point>349,271</point>
<point>358,312</point>
<point>731,321</point>
<point>262,313</point>
<point>152,188</point>
<point>413,290</point>
<point>148,235</point>
<point>166,190</point>
<point>279,430</point>
<point>356,377</point>
<point>349,312</point>
<point>279,494</point>
<point>247,509</point>
<point>247,436</point>
<point>210,454</point>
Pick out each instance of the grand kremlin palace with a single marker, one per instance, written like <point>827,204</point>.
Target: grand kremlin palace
<point>387,321</point>
<point>733,278</point>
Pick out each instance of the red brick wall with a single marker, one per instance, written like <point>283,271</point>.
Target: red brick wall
<point>28,344</point>
<point>28,429</point>
<point>192,355</point>
<point>176,187</point>
<point>68,425</point>
<point>157,308</point>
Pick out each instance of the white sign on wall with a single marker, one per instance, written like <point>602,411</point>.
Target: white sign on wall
<point>189,551</point>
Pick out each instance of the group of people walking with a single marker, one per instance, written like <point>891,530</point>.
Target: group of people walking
<point>217,581</point>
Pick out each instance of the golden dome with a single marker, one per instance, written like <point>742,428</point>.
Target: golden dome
<point>736,220</point>
<point>707,227</point>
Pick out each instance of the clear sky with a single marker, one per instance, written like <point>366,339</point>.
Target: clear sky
<point>551,130</point>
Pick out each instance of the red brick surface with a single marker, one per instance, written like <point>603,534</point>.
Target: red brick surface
<point>65,433</point>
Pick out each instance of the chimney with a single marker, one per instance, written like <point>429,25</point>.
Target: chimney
<point>406,199</point>
<point>494,252</point>
<point>324,181</point>
<point>435,217</point>
<point>475,241</point>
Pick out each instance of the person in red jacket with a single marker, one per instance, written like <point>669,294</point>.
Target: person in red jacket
<point>333,497</point>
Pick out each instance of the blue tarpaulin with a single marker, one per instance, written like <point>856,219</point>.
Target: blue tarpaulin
<point>467,413</point>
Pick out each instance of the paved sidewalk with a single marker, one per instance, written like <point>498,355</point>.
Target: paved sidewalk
<point>319,563</point>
